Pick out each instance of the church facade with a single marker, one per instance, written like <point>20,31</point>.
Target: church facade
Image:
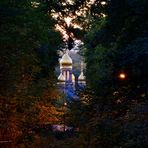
<point>66,79</point>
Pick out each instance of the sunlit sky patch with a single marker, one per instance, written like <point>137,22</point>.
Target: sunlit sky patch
<point>69,19</point>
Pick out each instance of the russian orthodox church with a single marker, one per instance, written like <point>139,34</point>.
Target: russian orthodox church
<point>67,80</point>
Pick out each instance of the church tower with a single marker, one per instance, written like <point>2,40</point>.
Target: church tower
<point>66,68</point>
<point>66,80</point>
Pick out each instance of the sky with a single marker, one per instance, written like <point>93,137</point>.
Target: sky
<point>70,17</point>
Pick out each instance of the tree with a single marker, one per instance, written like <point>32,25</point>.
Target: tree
<point>27,41</point>
<point>72,18</point>
<point>116,44</point>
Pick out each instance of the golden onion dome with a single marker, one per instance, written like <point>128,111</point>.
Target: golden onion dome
<point>66,60</point>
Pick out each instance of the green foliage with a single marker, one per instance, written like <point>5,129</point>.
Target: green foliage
<point>23,30</point>
<point>24,88</point>
<point>108,113</point>
<point>79,14</point>
<point>116,44</point>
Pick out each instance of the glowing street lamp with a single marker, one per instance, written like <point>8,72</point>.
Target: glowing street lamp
<point>122,76</point>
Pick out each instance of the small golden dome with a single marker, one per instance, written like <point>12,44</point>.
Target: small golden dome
<point>81,77</point>
<point>61,78</point>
